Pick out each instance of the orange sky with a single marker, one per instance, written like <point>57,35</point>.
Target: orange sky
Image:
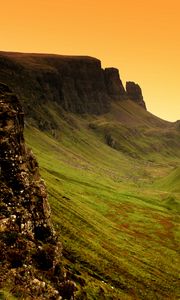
<point>139,37</point>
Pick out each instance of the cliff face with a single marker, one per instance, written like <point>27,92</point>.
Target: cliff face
<point>77,84</point>
<point>134,93</point>
<point>30,252</point>
<point>114,84</point>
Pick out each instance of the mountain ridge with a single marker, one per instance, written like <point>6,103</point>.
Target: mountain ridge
<point>112,178</point>
<point>56,90</point>
<point>79,83</point>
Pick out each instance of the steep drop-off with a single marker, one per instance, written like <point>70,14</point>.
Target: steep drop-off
<point>78,84</point>
<point>55,91</point>
<point>31,264</point>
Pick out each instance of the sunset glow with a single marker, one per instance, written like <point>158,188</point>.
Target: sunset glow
<point>141,38</point>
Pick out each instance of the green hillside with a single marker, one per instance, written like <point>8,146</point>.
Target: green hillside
<point>118,226</point>
<point>112,174</point>
<point>172,181</point>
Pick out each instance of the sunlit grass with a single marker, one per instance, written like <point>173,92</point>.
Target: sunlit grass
<point>119,233</point>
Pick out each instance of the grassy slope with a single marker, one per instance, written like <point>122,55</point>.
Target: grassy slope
<point>171,182</point>
<point>118,226</point>
<point>4,295</point>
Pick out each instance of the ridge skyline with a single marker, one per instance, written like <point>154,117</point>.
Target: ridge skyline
<point>83,57</point>
<point>139,38</point>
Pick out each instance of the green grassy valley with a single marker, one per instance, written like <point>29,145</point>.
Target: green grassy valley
<point>113,184</point>
<point>112,171</point>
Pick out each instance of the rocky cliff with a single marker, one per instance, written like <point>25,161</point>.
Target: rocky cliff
<point>75,83</point>
<point>114,86</point>
<point>30,252</point>
<point>134,93</point>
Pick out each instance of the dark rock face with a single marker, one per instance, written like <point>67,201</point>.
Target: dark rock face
<point>30,251</point>
<point>134,93</point>
<point>74,83</point>
<point>114,84</point>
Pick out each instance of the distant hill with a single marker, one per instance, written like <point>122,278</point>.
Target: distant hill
<point>77,83</point>
<point>53,87</point>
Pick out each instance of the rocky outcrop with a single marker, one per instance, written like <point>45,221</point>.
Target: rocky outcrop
<point>134,93</point>
<point>76,84</point>
<point>114,84</point>
<point>30,251</point>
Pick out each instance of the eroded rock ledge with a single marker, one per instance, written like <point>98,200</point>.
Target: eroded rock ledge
<point>30,251</point>
<point>134,93</point>
<point>77,84</point>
